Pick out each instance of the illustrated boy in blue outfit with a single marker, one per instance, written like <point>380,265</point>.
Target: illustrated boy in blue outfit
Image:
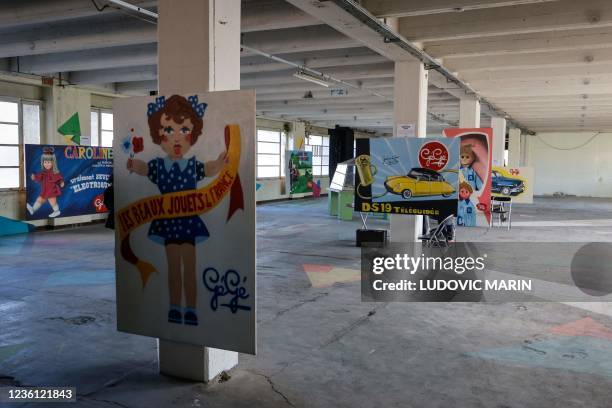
<point>468,157</point>
<point>466,211</point>
<point>175,125</point>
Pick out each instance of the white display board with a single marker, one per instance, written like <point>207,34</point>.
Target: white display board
<point>185,218</point>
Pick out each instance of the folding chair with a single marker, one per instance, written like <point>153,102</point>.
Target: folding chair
<point>502,208</point>
<point>441,235</point>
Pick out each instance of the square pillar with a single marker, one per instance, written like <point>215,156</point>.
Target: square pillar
<point>410,107</point>
<point>198,51</point>
<point>499,140</point>
<point>299,135</point>
<point>469,113</point>
<point>514,147</point>
<point>410,90</point>
<point>61,103</point>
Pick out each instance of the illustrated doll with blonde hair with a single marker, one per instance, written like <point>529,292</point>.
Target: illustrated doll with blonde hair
<point>175,125</point>
<point>468,158</point>
<point>51,183</point>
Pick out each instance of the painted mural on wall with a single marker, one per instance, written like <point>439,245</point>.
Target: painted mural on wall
<point>185,218</point>
<point>299,171</point>
<point>474,207</point>
<point>63,181</point>
<point>513,182</point>
<point>407,176</point>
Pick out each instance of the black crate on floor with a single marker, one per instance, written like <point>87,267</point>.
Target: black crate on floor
<point>371,237</point>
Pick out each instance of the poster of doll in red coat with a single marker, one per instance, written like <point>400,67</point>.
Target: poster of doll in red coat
<point>51,183</point>
<point>63,181</point>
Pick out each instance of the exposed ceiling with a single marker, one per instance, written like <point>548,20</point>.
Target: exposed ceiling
<point>547,63</point>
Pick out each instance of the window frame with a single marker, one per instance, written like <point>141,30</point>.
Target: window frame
<point>322,145</point>
<point>21,139</point>
<point>280,153</point>
<point>99,111</point>
<point>20,149</point>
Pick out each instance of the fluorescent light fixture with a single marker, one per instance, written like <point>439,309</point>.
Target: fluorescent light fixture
<point>310,78</point>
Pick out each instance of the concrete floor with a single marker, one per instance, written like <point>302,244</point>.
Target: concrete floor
<point>319,345</point>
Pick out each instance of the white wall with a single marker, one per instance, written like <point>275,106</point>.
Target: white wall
<point>582,171</point>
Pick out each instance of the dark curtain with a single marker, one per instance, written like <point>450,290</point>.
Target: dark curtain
<point>341,140</point>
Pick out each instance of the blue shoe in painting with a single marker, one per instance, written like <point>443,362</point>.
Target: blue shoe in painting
<point>190,317</point>
<point>174,316</point>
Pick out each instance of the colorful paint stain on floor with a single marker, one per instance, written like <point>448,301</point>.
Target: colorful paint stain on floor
<point>587,327</point>
<point>322,276</point>
<point>102,277</point>
<point>583,346</point>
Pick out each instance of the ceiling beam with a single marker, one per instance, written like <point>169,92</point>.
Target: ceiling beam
<point>113,57</point>
<point>313,38</point>
<point>569,40</point>
<point>548,91</point>
<point>314,63</point>
<point>384,70</point>
<point>327,109</point>
<point>121,31</point>
<point>77,36</point>
<point>412,8</point>
<point>542,60</point>
<point>585,70</point>
<point>531,18</point>
<point>103,76</point>
<point>17,13</point>
<point>146,54</point>
<point>260,16</point>
<point>344,22</point>
<point>136,87</point>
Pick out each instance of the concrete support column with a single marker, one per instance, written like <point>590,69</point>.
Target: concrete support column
<point>469,113</point>
<point>299,135</point>
<point>198,51</point>
<point>410,107</point>
<point>61,104</point>
<point>499,140</point>
<point>524,150</point>
<point>514,147</point>
<point>198,46</point>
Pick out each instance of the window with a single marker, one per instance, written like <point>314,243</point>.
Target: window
<point>19,123</point>
<point>101,128</point>
<point>269,161</point>
<point>319,146</point>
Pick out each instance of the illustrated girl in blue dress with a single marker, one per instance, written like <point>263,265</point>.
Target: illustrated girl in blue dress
<point>175,125</point>
<point>466,210</point>
<point>468,157</point>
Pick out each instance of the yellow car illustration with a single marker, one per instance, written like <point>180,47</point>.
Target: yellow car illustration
<point>419,182</point>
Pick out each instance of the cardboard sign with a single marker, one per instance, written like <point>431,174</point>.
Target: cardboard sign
<point>299,171</point>
<point>514,183</point>
<point>64,181</point>
<point>474,208</point>
<point>407,176</point>
<point>185,218</point>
